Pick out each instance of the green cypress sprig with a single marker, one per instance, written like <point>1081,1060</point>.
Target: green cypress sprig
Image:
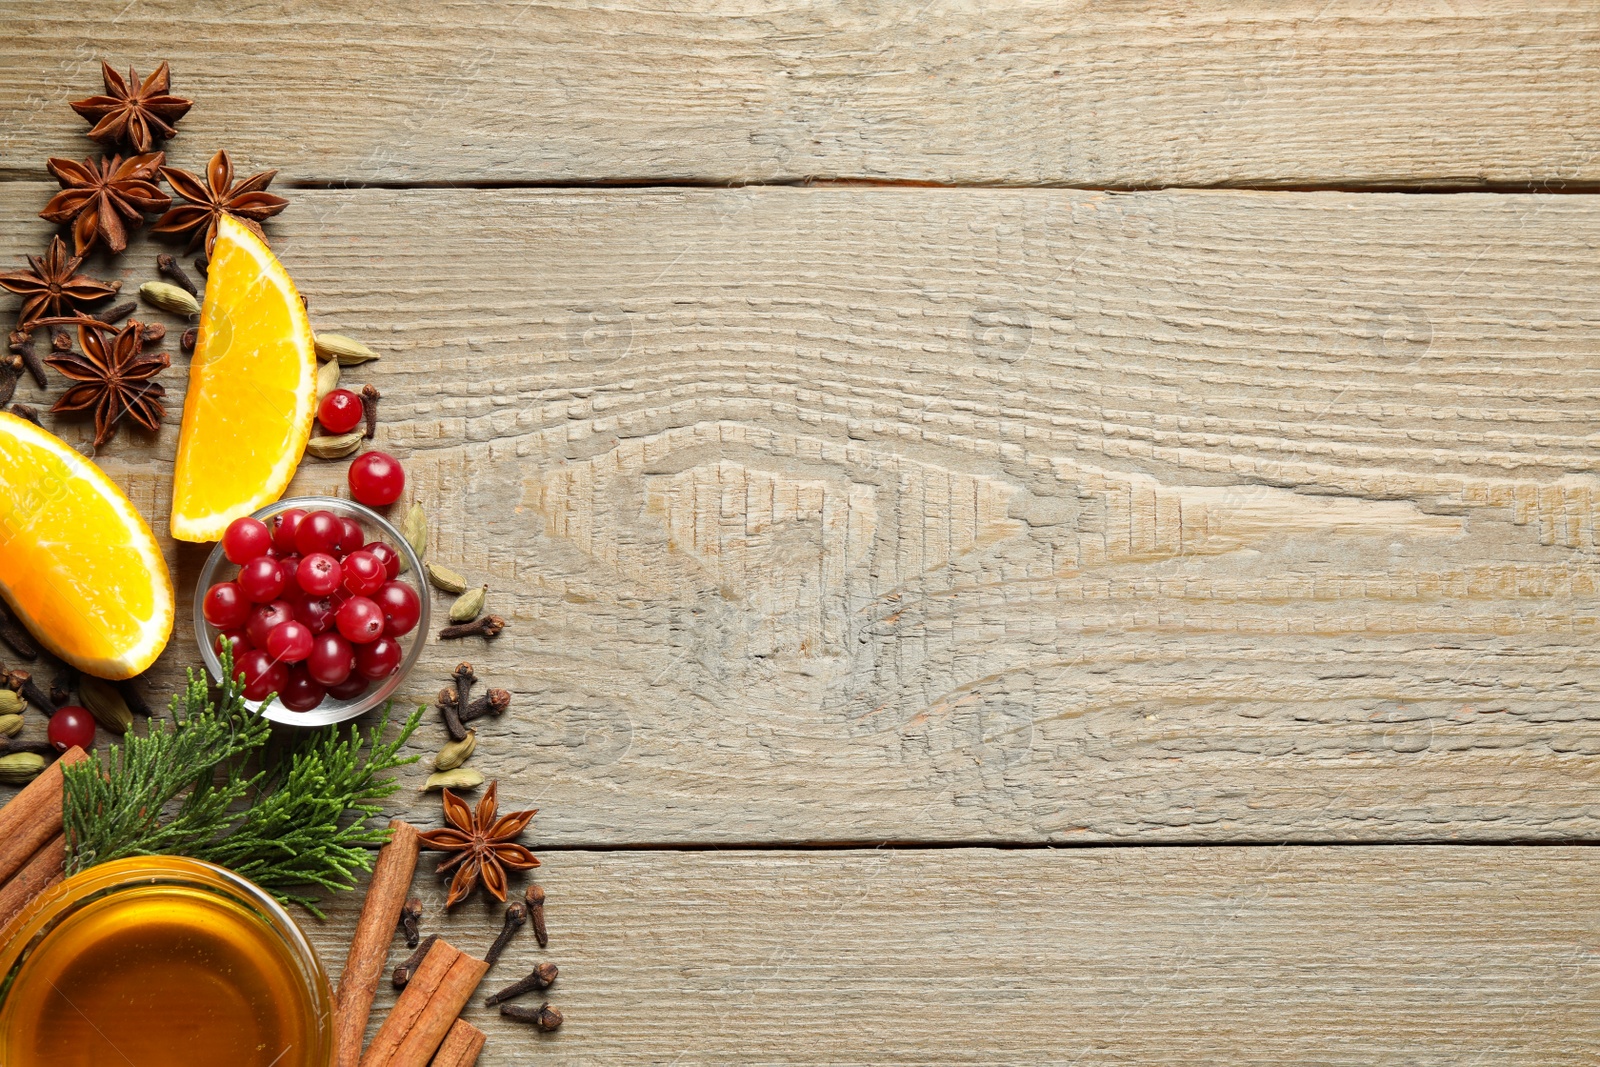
<point>197,786</point>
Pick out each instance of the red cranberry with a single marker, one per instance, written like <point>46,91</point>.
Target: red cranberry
<point>340,411</point>
<point>401,608</point>
<point>315,613</point>
<point>386,556</point>
<point>261,579</point>
<point>239,640</point>
<point>350,688</point>
<point>379,659</point>
<point>283,535</point>
<point>301,692</point>
<point>319,574</point>
<point>331,660</point>
<point>264,618</point>
<point>363,574</point>
<point>360,620</point>
<point>377,479</point>
<point>72,725</point>
<point>245,539</point>
<point>261,675</point>
<point>225,605</point>
<point>350,537</point>
<point>319,531</point>
<point>289,642</point>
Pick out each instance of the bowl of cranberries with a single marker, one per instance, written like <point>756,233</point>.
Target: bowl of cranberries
<point>322,602</point>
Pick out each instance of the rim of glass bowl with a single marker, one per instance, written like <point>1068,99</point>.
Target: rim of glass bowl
<point>330,710</point>
<point>41,916</point>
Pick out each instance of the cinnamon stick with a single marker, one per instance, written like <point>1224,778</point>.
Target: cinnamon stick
<point>426,1010</point>
<point>41,872</point>
<point>461,1046</point>
<point>369,948</point>
<point>33,816</point>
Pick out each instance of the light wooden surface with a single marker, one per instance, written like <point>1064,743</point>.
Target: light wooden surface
<point>843,515</point>
<point>1309,92</point>
<point>1432,956</point>
<point>964,516</point>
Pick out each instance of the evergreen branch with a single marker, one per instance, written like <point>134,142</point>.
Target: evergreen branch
<point>305,820</point>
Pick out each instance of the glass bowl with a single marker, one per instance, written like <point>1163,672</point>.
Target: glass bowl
<point>164,959</point>
<point>331,710</point>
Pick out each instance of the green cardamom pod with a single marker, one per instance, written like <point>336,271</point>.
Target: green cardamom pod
<point>456,753</point>
<point>334,447</point>
<point>105,704</point>
<point>444,579</point>
<point>169,298</point>
<point>327,378</point>
<point>10,725</point>
<point>469,605</point>
<point>11,703</point>
<point>20,768</point>
<point>460,778</point>
<point>346,350</point>
<point>415,530</point>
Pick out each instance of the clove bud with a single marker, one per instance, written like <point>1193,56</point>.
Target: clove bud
<point>167,265</point>
<point>369,408</point>
<point>494,702</point>
<point>535,898</point>
<point>12,633</point>
<point>486,626</point>
<point>545,1017</point>
<point>516,915</point>
<point>541,978</point>
<point>22,684</point>
<point>410,917</point>
<point>403,973</point>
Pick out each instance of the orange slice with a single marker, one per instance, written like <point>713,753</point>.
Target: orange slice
<point>77,563</point>
<point>252,389</point>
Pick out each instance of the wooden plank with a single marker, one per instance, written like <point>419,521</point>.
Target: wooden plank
<point>1324,956</point>
<point>853,515</point>
<point>1296,93</point>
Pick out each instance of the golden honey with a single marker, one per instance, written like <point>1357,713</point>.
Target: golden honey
<point>167,963</point>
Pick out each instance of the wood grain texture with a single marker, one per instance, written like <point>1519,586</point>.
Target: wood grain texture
<point>1030,91</point>
<point>1430,956</point>
<point>844,515</point>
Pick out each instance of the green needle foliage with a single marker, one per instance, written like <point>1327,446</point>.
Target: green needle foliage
<point>201,786</point>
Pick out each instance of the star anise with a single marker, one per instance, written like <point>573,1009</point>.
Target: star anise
<point>482,845</point>
<point>98,196</point>
<point>132,112</point>
<point>53,286</point>
<point>215,197</point>
<point>113,376</point>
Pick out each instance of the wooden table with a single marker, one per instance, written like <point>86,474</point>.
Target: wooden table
<point>1048,534</point>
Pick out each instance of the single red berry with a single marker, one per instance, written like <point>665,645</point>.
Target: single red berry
<point>350,688</point>
<point>245,539</point>
<point>319,532</point>
<point>261,675</point>
<point>237,638</point>
<point>289,642</point>
<point>301,692</point>
<point>376,479</point>
<point>70,726</point>
<point>319,574</point>
<point>331,660</point>
<point>283,534</point>
<point>261,579</point>
<point>401,608</point>
<point>360,620</point>
<point>386,556</point>
<point>315,613</point>
<point>379,659</point>
<point>351,538</point>
<point>290,565</point>
<point>363,574</point>
<point>225,605</point>
<point>340,411</point>
<point>264,618</point>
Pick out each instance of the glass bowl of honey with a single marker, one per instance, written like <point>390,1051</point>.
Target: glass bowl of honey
<point>160,959</point>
